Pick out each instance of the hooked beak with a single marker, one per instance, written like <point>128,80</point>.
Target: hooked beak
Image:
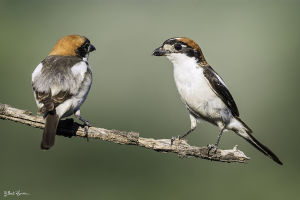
<point>92,48</point>
<point>159,52</point>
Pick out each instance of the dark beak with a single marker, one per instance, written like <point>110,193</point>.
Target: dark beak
<point>92,48</point>
<point>159,52</point>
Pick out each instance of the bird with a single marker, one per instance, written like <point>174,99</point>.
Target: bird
<point>61,83</point>
<point>204,93</point>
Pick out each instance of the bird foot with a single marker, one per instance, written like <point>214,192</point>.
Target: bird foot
<point>174,138</point>
<point>86,127</point>
<point>87,123</point>
<point>211,147</point>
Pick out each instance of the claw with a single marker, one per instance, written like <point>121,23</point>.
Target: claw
<point>172,140</point>
<point>87,123</point>
<point>86,130</point>
<point>210,147</point>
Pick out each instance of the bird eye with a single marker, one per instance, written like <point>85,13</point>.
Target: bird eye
<point>178,47</point>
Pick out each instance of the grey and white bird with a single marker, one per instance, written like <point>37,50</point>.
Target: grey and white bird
<point>61,83</point>
<point>204,92</point>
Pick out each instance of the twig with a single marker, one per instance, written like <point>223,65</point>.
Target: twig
<point>70,128</point>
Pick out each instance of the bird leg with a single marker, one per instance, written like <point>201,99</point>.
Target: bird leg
<point>211,146</point>
<point>182,136</point>
<point>86,123</point>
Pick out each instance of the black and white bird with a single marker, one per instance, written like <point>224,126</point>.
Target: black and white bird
<point>61,83</point>
<point>204,93</point>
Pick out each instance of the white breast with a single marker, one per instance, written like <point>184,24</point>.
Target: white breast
<point>84,74</point>
<point>194,88</point>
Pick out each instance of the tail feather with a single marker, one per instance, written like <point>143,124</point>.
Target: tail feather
<point>264,149</point>
<point>245,132</point>
<point>48,139</point>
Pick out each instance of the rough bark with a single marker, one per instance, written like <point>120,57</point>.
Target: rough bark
<point>70,128</point>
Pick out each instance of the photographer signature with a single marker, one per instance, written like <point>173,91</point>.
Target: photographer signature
<point>18,193</point>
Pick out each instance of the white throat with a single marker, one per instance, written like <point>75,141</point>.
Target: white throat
<point>179,59</point>
<point>186,70</point>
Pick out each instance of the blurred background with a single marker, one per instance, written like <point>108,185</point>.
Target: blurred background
<point>253,45</point>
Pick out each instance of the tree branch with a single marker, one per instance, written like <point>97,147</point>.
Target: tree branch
<point>70,128</point>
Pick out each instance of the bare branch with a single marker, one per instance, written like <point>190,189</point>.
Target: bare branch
<point>70,128</point>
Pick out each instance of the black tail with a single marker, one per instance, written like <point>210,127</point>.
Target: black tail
<point>245,133</point>
<point>48,139</point>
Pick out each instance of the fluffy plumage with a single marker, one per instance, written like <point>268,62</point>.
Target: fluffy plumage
<point>61,82</point>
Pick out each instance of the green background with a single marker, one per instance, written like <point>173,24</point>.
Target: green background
<point>253,45</point>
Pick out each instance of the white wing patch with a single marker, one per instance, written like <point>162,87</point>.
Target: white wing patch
<point>79,70</point>
<point>220,79</point>
<point>55,89</point>
<point>37,72</point>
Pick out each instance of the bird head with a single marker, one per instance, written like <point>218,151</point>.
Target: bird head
<point>73,45</point>
<point>180,48</point>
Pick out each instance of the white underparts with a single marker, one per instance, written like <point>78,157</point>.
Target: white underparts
<point>196,92</point>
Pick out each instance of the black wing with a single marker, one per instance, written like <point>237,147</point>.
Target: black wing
<point>220,89</point>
